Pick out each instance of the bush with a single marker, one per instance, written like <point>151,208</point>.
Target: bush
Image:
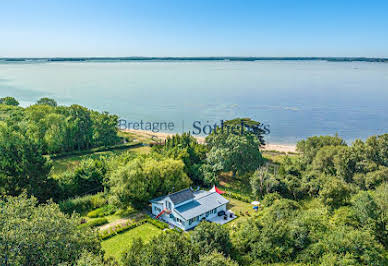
<point>103,211</point>
<point>83,204</point>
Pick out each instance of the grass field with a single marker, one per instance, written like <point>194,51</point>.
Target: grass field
<point>114,246</point>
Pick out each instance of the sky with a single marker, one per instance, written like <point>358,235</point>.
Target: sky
<point>89,28</point>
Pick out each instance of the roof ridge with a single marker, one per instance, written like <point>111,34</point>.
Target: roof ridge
<point>178,191</point>
<point>207,194</point>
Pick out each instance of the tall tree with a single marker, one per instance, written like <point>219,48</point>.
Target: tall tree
<point>9,101</point>
<point>22,165</point>
<point>47,101</point>
<point>233,152</point>
<point>144,178</point>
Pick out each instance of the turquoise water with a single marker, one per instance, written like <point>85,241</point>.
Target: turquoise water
<point>296,99</point>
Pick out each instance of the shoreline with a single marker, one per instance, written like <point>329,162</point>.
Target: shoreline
<point>286,148</point>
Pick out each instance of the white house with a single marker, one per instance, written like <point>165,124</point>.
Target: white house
<point>187,208</point>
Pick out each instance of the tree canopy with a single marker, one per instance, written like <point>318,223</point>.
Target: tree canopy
<point>32,234</point>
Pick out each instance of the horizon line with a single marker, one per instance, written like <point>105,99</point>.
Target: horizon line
<point>201,58</point>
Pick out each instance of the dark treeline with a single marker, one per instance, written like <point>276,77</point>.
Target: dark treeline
<point>210,58</point>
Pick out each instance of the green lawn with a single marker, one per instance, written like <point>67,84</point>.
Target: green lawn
<point>240,208</point>
<point>114,246</point>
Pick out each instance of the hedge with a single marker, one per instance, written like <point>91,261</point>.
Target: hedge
<point>128,226</point>
<point>94,150</point>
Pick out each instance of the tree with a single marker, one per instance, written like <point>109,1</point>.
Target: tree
<point>9,101</point>
<point>232,152</point>
<point>186,148</point>
<point>22,165</point>
<point>88,177</point>
<point>104,129</point>
<point>166,249</point>
<point>55,133</point>
<point>210,237</point>
<point>216,259</point>
<point>32,234</point>
<point>356,247</point>
<point>47,101</point>
<point>369,215</point>
<point>312,145</point>
<point>246,126</point>
<point>262,182</point>
<point>380,197</point>
<point>81,126</point>
<point>335,192</point>
<point>324,159</point>
<point>144,178</point>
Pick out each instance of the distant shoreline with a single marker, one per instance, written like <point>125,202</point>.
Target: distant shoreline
<point>287,148</point>
<point>204,58</point>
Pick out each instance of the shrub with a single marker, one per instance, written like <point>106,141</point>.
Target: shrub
<point>82,204</point>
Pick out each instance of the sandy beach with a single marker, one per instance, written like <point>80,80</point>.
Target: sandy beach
<point>162,136</point>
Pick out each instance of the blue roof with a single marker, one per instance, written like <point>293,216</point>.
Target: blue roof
<point>203,202</point>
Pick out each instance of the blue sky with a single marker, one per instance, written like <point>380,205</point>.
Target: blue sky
<point>193,28</point>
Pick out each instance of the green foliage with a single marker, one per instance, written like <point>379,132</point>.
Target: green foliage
<point>216,259</point>
<point>209,237</point>
<point>47,101</point>
<point>144,178</point>
<point>22,165</point>
<point>237,196</point>
<point>164,249</point>
<point>270,198</point>
<point>184,147</point>
<point>60,129</point>
<point>312,145</point>
<point>335,192</point>
<point>262,182</point>
<point>9,101</point>
<point>88,177</point>
<point>249,127</point>
<point>83,204</point>
<point>229,152</point>
<point>89,259</point>
<point>41,235</point>
<point>102,211</point>
<point>95,222</point>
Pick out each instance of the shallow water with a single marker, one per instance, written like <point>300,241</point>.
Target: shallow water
<point>296,99</point>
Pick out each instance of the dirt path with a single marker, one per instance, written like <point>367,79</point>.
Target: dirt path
<point>120,221</point>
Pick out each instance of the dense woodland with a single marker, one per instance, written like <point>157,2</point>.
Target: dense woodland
<point>326,205</point>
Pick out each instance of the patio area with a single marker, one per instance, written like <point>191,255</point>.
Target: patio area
<point>221,220</point>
